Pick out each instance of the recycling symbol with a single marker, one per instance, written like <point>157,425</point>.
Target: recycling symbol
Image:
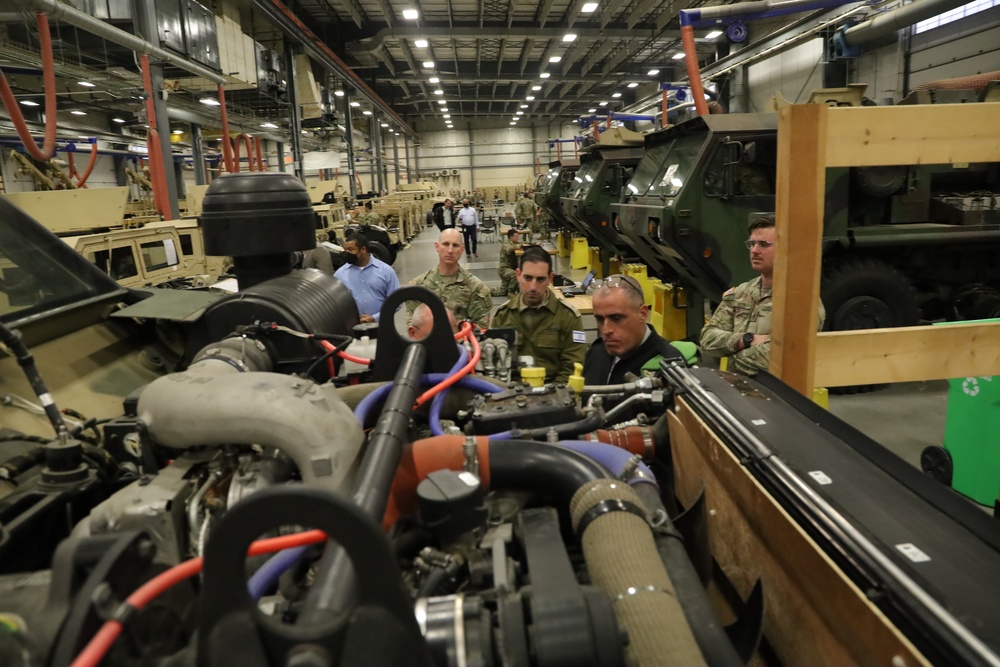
<point>971,385</point>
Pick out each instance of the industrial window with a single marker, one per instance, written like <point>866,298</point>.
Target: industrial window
<point>158,255</point>
<point>955,14</point>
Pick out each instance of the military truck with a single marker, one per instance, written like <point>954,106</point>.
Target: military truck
<point>900,243</point>
<point>550,186</point>
<point>605,168</point>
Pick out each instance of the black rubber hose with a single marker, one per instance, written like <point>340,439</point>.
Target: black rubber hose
<point>534,466</point>
<point>432,582</point>
<point>567,431</point>
<point>22,463</point>
<point>332,591</point>
<point>12,339</point>
<point>708,632</point>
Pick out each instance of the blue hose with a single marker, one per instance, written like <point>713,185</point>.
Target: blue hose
<point>613,458</point>
<point>435,416</point>
<point>271,571</point>
<point>429,380</point>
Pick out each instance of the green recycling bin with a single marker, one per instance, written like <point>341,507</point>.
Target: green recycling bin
<point>972,436</point>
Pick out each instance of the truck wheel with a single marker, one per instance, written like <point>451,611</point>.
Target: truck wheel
<point>866,293</point>
<point>379,251</point>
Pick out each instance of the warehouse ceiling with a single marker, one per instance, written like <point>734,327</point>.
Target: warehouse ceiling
<point>548,59</point>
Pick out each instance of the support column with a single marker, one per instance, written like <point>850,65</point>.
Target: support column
<point>349,140</point>
<point>294,118</point>
<point>395,156</point>
<point>472,161</point>
<point>280,150</point>
<point>146,22</point>
<point>198,155</point>
<point>376,130</point>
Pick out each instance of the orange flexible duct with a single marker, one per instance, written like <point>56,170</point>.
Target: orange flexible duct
<point>157,176</point>
<point>82,180</point>
<point>227,146</point>
<point>424,457</point>
<point>248,142</point>
<point>259,150</point>
<point>694,73</point>
<point>663,108</point>
<point>49,79</point>
<point>235,152</point>
<point>634,439</point>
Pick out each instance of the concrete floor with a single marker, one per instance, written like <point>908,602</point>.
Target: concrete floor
<point>904,417</point>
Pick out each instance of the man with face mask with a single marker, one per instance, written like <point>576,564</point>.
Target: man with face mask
<point>551,329</point>
<point>369,279</point>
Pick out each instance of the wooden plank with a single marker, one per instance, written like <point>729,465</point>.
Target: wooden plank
<point>907,354</point>
<point>799,211</point>
<point>813,614</point>
<point>913,134</point>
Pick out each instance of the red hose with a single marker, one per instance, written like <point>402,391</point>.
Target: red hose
<point>248,143</point>
<point>227,146</point>
<point>236,155</point>
<point>462,372</point>
<point>694,73</point>
<point>82,180</point>
<point>97,648</point>
<point>259,151</point>
<point>157,173</point>
<point>49,81</point>
<point>330,347</point>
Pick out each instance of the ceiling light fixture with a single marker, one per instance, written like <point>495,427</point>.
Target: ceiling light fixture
<point>118,120</point>
<point>420,43</point>
<point>182,131</point>
<point>524,106</point>
<point>569,37</point>
<point>86,84</point>
<point>269,125</point>
<point>602,104</point>
<point>444,109</point>
<point>513,123</point>
<point>385,124</point>
<point>367,112</point>
<point>77,112</point>
<point>519,113</point>
<point>713,34</point>
<point>428,64</point>
<point>338,93</point>
<point>545,75</point>
<point>209,101</point>
<point>442,102</point>
<point>536,87</point>
<point>678,56</point>
<point>652,72</point>
<point>29,103</point>
<point>616,95</point>
<point>591,110</point>
<point>411,14</point>
<point>439,92</point>
<point>446,116</point>
<point>355,104</point>
<point>555,59</point>
<point>588,7</point>
<point>434,79</point>
<point>633,85</point>
<point>530,98</point>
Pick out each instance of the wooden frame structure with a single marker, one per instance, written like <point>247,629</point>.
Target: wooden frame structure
<point>812,137</point>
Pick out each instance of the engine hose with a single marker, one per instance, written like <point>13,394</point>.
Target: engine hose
<point>49,85</point>
<point>635,439</point>
<point>614,459</point>
<point>269,573</point>
<point>623,560</point>
<point>12,339</point>
<point>438,401</point>
<point>370,401</point>
<point>227,145</point>
<point>81,181</point>
<point>569,430</point>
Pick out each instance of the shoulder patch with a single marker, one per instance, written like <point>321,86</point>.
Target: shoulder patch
<point>579,337</point>
<point>729,292</point>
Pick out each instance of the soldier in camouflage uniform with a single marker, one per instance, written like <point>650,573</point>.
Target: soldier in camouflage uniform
<point>741,325</point>
<point>551,329</point>
<point>540,224</point>
<point>507,266</point>
<point>525,210</point>
<point>462,292</point>
<point>370,217</point>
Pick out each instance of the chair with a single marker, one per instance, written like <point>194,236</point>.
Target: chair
<point>489,228</point>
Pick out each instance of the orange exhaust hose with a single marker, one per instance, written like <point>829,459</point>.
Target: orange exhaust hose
<point>423,457</point>
<point>157,175</point>
<point>82,180</point>
<point>227,146</point>
<point>259,151</point>
<point>694,73</point>
<point>49,82</point>
<point>235,148</point>
<point>634,439</point>
<point>248,142</point>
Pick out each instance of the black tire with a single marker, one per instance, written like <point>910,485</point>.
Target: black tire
<point>936,462</point>
<point>380,252</point>
<point>866,293</point>
<point>382,238</point>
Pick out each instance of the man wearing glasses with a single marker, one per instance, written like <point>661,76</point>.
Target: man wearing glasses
<point>626,342</point>
<point>741,325</point>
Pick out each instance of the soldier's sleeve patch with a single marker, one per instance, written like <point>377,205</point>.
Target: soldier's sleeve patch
<point>729,292</point>
<point>579,337</point>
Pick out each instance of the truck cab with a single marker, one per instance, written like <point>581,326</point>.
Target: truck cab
<point>550,186</point>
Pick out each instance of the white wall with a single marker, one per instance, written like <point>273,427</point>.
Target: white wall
<point>795,73</point>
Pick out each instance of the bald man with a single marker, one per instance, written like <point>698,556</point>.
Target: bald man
<point>423,322</point>
<point>463,293</point>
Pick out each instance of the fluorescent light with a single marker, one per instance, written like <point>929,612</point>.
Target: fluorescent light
<point>530,98</point>
<point>524,106</point>
<point>616,95</point>
<point>519,113</point>
<point>536,87</point>
<point>77,112</point>
<point>591,110</point>
<point>338,93</point>
<point>439,92</point>
<point>367,112</point>
<point>444,109</point>
<point>442,102</point>
<point>545,75</point>
<point>182,131</point>
<point>447,116</point>
<point>86,84</point>
<point>411,14</point>
<point>589,7</point>
<point>633,85</point>
<point>269,126</point>
<point>602,104</point>
<point>355,104</point>
<point>569,37</point>
<point>385,124</point>
<point>118,120</point>
<point>513,123</point>
<point>210,101</point>
<point>420,43</point>
<point>555,59</point>
<point>429,64</point>
<point>29,103</point>
<point>434,79</point>
<point>678,56</point>
<point>575,120</point>
<point>652,72</point>
<point>713,34</point>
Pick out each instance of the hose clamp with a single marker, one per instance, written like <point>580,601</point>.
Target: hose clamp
<point>606,507</point>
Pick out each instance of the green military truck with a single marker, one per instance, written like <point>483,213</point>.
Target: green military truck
<point>551,185</point>
<point>900,244</point>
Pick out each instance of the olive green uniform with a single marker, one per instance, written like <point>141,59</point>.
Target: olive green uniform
<point>463,293</point>
<point>552,333</point>
<point>505,267</point>
<point>370,218</point>
<point>524,211</point>
<point>745,308</point>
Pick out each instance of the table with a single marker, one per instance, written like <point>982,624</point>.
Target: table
<point>548,247</point>
<point>582,302</point>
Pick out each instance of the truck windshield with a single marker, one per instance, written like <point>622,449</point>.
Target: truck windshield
<point>584,179</point>
<point>647,169</point>
<point>677,166</point>
<point>546,180</point>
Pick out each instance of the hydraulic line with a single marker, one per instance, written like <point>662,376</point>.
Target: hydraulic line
<point>49,84</point>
